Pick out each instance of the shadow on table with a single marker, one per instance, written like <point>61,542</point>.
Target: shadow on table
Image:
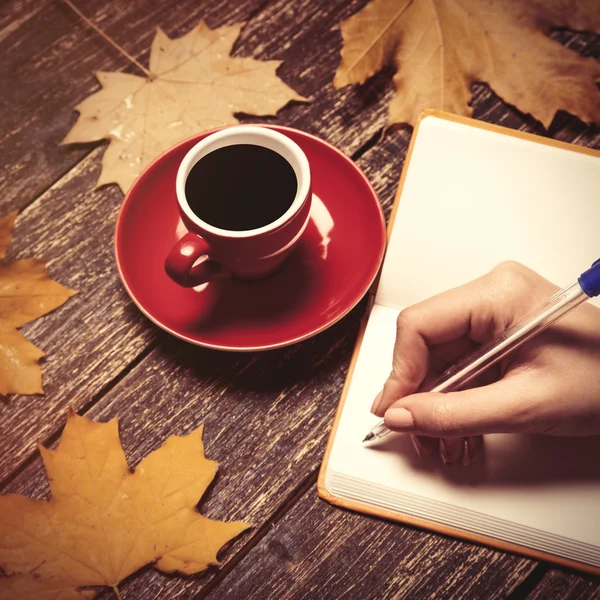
<point>314,359</point>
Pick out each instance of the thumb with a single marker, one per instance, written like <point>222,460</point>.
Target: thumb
<point>501,407</point>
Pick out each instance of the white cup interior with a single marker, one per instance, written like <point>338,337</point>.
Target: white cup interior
<point>256,136</point>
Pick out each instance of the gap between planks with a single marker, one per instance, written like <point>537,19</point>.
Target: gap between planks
<point>105,389</point>
<point>368,145</point>
<point>290,501</point>
<point>93,145</point>
<point>523,589</point>
<point>61,176</point>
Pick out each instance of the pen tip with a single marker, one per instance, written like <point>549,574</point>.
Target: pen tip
<point>369,437</point>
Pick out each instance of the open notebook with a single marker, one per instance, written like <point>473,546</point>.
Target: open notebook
<point>472,195</point>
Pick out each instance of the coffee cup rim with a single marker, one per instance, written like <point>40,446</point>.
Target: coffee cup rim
<point>252,135</point>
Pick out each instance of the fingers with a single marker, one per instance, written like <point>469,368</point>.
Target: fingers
<point>451,449</point>
<point>440,330</point>
<point>473,449</point>
<point>438,320</point>
<point>462,451</point>
<point>477,311</point>
<point>506,406</point>
<point>424,446</point>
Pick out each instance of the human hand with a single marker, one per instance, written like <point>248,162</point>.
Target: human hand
<point>550,385</point>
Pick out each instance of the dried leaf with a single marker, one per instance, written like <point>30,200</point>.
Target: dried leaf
<point>440,48</point>
<point>104,522</point>
<point>194,85</point>
<point>26,293</point>
<point>19,369</point>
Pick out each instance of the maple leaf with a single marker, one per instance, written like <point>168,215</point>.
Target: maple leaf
<point>26,293</point>
<point>441,47</point>
<point>104,522</point>
<point>193,85</point>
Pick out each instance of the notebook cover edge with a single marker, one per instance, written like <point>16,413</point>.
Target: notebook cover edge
<point>323,491</point>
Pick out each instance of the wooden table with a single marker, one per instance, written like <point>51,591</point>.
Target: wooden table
<point>267,415</point>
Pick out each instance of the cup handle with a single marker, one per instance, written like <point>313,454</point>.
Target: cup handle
<point>180,265</point>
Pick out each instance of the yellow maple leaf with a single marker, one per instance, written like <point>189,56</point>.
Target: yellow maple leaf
<point>19,369</point>
<point>26,293</point>
<point>104,522</point>
<point>441,47</point>
<point>193,85</point>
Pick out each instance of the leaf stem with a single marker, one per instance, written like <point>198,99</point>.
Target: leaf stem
<point>116,591</point>
<point>108,39</point>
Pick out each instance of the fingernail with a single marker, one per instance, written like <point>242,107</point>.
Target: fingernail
<point>425,446</point>
<point>474,448</point>
<point>376,402</point>
<point>466,457</point>
<point>444,452</point>
<point>416,445</point>
<point>399,419</point>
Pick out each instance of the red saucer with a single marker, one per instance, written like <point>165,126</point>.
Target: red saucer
<point>326,275</point>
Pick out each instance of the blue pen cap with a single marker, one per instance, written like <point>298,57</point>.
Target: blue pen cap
<point>590,280</point>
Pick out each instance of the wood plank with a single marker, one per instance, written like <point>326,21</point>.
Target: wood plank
<point>310,48</point>
<point>97,333</point>
<point>177,386</point>
<point>305,36</point>
<point>43,64</point>
<point>91,339</point>
<point>267,418</point>
<point>49,57</point>
<point>560,584</point>
<point>318,551</point>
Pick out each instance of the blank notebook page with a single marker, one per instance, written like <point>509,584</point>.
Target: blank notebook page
<point>471,199</point>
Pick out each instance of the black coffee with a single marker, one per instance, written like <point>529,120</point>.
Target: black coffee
<point>241,187</point>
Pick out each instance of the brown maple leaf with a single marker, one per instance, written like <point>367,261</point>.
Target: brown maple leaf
<point>104,522</point>
<point>26,293</point>
<point>441,47</point>
<point>193,85</point>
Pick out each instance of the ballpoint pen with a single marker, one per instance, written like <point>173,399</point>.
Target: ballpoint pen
<point>586,286</point>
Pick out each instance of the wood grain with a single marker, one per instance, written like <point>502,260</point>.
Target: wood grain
<point>560,584</point>
<point>49,57</point>
<point>267,415</point>
<point>319,552</point>
<point>267,419</point>
<point>98,333</point>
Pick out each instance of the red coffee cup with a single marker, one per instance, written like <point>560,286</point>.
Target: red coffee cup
<point>207,251</point>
